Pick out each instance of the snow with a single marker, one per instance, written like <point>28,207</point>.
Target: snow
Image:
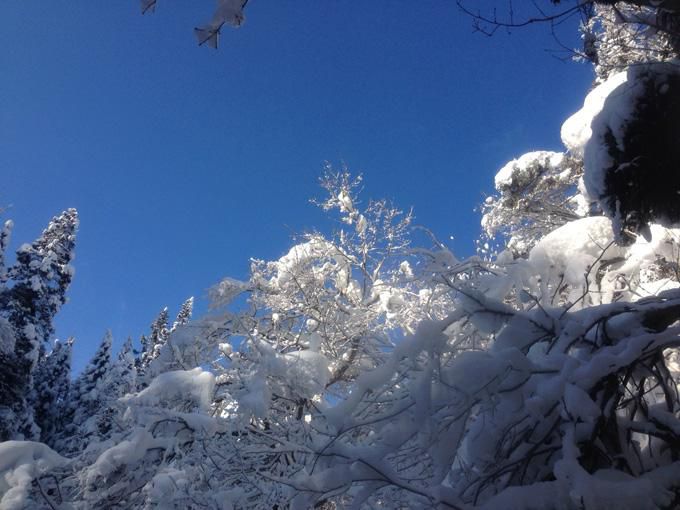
<point>576,130</point>
<point>500,385</point>
<point>623,103</point>
<point>579,405</point>
<point>162,488</point>
<point>345,202</point>
<point>230,12</point>
<point>315,340</point>
<point>195,386</point>
<point>226,349</point>
<point>611,120</point>
<point>20,463</point>
<point>517,168</point>
<point>7,339</point>
<point>184,348</point>
<point>225,291</point>
<point>307,371</point>
<point>314,251</point>
<point>30,332</point>
<point>126,453</point>
<point>567,255</point>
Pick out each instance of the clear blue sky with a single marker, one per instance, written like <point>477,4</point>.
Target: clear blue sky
<point>184,162</point>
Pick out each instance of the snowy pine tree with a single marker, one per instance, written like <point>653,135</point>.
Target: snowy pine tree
<point>159,333</point>
<point>184,315</point>
<point>86,400</point>
<point>37,289</point>
<point>11,384</point>
<point>5,236</point>
<point>52,382</point>
<point>120,380</point>
<point>151,347</point>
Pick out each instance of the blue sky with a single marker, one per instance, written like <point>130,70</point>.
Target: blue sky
<point>184,162</point>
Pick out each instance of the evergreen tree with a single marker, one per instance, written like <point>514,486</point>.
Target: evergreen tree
<point>10,373</point>
<point>141,354</point>
<point>5,236</point>
<point>118,381</point>
<point>38,283</point>
<point>121,377</point>
<point>86,400</point>
<point>184,315</point>
<point>159,333</point>
<point>52,381</point>
<point>151,346</point>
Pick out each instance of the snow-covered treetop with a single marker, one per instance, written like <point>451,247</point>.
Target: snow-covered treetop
<point>626,134</point>
<point>620,34</point>
<point>534,194</point>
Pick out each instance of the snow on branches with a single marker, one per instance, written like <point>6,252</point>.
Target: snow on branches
<point>227,12</point>
<point>367,368</point>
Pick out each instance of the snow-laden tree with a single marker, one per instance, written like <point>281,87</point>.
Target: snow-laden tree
<point>548,378</point>
<point>52,382</point>
<point>360,370</point>
<point>33,290</point>
<point>87,399</point>
<point>329,310</point>
<point>535,194</point>
<point>121,378</point>
<point>11,385</point>
<point>184,314</point>
<point>617,36</point>
<point>170,347</point>
<point>152,345</point>
<point>5,237</point>
<point>574,401</point>
<point>632,157</point>
<point>332,301</point>
<point>576,407</point>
